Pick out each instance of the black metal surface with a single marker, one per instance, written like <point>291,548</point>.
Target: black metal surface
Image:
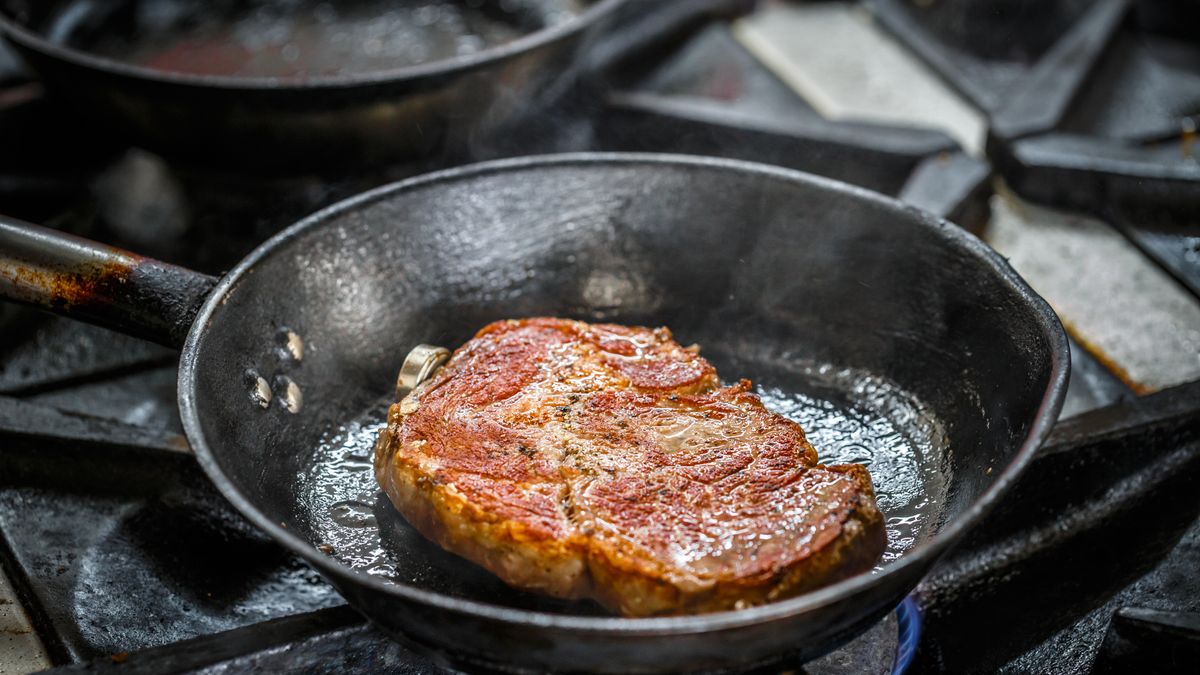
<point>1105,122</point>
<point>1092,385</point>
<point>43,352</point>
<point>924,168</point>
<point>713,65</point>
<point>1100,175</point>
<point>1092,106</point>
<point>1173,242</point>
<point>22,422</point>
<point>953,185</point>
<point>35,178</point>
<point>709,96</point>
<point>11,70</point>
<point>116,520</point>
<point>983,48</point>
<point>338,640</point>
<point>1043,98</point>
<point>143,398</point>
<point>1149,640</point>
<point>1170,587</point>
<point>713,97</point>
<point>878,158</point>
<point>1102,504</point>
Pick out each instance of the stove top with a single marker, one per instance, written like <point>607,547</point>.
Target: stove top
<point>121,553</point>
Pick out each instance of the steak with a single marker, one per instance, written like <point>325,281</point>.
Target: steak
<point>607,462</point>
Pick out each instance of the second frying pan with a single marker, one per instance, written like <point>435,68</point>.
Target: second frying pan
<point>211,82</point>
<point>897,338</point>
<point>207,111</point>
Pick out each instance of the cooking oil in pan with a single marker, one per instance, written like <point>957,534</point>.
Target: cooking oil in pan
<point>847,416</point>
<point>897,455</point>
<point>298,38</point>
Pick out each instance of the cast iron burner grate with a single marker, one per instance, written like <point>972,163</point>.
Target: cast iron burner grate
<point>1108,125</point>
<point>1093,106</point>
<point>122,551</point>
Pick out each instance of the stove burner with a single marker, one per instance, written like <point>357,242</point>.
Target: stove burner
<point>122,551</point>
<point>908,616</point>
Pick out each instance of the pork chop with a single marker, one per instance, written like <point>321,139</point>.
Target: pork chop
<point>607,462</point>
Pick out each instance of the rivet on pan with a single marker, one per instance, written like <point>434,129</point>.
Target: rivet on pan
<point>260,391</point>
<point>291,344</point>
<point>420,363</point>
<point>289,393</point>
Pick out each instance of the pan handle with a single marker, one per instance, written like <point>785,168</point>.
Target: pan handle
<point>100,284</point>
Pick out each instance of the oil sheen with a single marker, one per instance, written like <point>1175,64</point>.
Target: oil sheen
<point>849,417</point>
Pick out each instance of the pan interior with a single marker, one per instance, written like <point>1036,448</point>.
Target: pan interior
<point>848,416</point>
<point>293,39</point>
<point>883,320</point>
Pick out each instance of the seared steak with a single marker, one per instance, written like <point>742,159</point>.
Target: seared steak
<point>607,462</point>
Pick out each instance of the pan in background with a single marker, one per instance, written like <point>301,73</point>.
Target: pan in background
<point>817,288</point>
<point>291,84</point>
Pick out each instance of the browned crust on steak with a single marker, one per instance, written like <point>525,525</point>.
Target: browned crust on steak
<point>606,462</point>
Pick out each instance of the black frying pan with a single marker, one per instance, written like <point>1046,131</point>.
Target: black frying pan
<point>102,56</point>
<point>897,338</point>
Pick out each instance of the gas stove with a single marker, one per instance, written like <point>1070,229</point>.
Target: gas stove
<point>122,557</point>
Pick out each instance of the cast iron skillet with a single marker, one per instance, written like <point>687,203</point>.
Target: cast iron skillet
<point>767,269</point>
<point>320,121</point>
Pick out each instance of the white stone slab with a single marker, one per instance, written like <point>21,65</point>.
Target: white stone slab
<point>848,68</point>
<point>20,650</point>
<point>1116,302</point>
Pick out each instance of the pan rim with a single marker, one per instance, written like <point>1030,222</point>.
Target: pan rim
<point>31,39</point>
<point>923,554</point>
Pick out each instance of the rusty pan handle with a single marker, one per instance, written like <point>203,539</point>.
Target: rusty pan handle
<point>82,279</point>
